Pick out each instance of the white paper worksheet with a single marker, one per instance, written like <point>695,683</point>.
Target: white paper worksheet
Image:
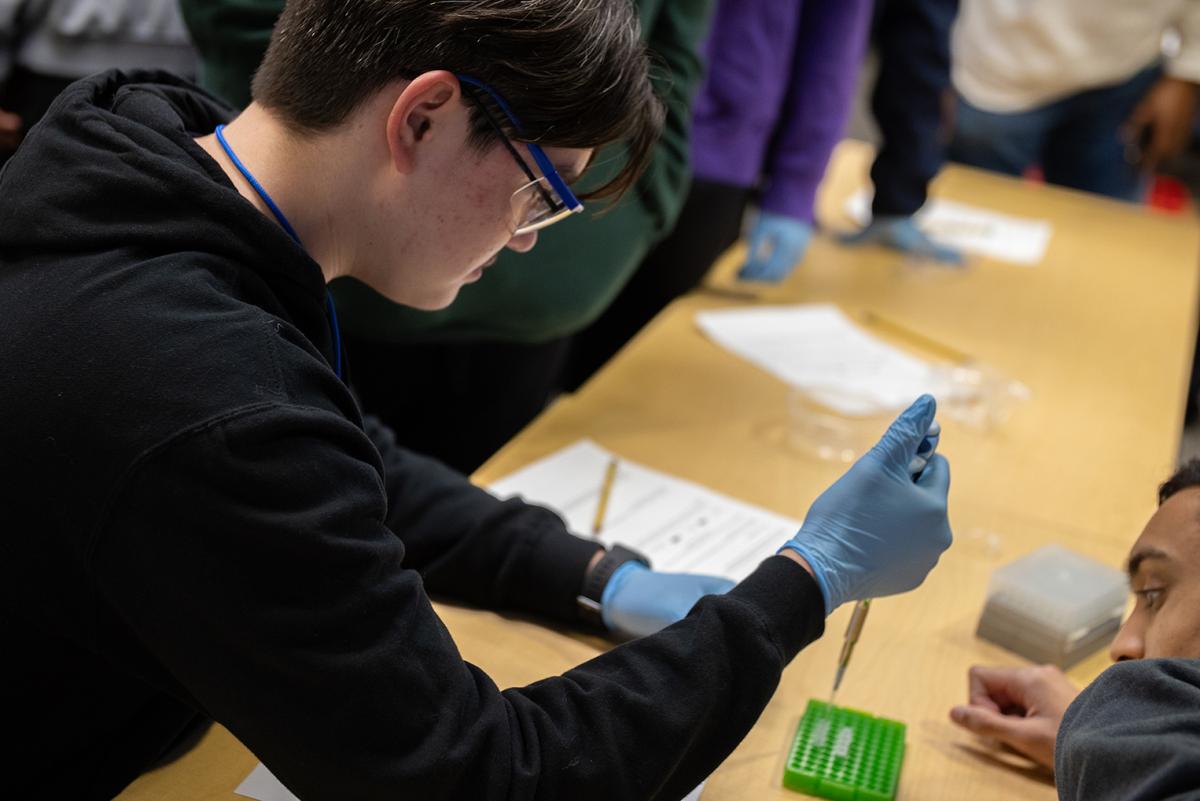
<point>817,348</point>
<point>262,785</point>
<point>681,526</point>
<point>1017,240</point>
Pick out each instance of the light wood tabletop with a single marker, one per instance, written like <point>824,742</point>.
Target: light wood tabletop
<point>1101,333</point>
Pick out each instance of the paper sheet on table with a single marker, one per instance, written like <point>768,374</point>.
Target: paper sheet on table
<point>1018,240</point>
<point>261,784</point>
<point>816,348</point>
<point>681,526</point>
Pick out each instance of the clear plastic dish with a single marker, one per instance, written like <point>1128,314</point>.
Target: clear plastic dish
<point>833,425</point>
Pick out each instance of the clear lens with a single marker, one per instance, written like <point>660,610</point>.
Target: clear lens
<point>535,206</point>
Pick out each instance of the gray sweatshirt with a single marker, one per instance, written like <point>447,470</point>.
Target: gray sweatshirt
<point>74,38</point>
<point>1133,735</point>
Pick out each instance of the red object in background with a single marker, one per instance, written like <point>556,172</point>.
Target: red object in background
<point>1168,194</point>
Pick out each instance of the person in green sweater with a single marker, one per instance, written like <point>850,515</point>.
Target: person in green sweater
<point>478,371</point>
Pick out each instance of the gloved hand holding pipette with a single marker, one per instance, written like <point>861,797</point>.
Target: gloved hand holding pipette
<point>866,535</point>
<point>878,531</point>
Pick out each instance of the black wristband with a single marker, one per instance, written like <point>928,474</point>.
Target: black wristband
<point>596,579</point>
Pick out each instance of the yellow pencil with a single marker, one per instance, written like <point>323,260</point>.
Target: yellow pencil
<point>605,490</point>
<point>920,340</point>
<point>728,292</point>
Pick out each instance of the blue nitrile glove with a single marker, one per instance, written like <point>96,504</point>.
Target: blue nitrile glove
<point>639,601</point>
<point>902,234</point>
<point>878,531</point>
<point>777,244</point>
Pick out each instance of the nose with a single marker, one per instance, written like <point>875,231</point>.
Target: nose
<point>523,243</point>
<point>1130,641</point>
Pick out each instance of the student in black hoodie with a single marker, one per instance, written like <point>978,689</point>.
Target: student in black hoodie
<point>202,524</point>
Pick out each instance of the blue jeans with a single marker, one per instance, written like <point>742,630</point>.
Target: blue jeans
<point>1076,140</point>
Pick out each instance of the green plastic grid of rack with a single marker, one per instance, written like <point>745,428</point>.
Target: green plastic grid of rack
<point>845,755</point>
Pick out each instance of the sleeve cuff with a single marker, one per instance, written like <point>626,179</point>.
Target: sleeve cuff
<point>789,601</point>
<point>792,197</point>
<point>555,567</point>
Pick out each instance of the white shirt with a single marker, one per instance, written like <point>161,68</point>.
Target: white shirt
<point>74,38</point>
<point>1015,55</point>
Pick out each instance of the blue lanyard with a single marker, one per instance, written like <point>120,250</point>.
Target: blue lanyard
<point>287,226</point>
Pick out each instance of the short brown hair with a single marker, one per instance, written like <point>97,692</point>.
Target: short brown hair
<point>574,71</point>
<point>1186,477</point>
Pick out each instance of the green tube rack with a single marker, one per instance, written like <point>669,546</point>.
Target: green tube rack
<point>845,755</point>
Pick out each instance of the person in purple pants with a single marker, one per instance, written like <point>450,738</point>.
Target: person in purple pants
<point>782,75</point>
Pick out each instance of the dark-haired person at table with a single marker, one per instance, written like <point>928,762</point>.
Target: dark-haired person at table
<point>1134,733</point>
<point>200,522</point>
<point>506,337</point>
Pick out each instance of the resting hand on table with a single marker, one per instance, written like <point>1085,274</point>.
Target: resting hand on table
<point>1021,707</point>
<point>638,601</point>
<point>902,234</point>
<point>878,530</point>
<point>777,245</point>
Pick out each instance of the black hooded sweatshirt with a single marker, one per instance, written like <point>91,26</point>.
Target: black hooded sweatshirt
<point>203,526</point>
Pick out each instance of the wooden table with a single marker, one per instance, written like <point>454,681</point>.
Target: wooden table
<point>1102,335</point>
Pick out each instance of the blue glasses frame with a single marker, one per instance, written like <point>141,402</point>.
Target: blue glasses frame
<point>551,175</point>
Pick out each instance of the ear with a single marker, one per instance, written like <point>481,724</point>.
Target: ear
<point>424,109</point>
